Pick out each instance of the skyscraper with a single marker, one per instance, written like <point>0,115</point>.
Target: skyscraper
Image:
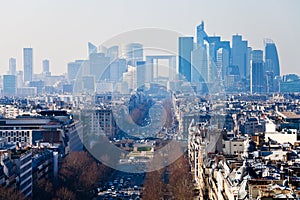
<point>73,69</point>
<point>133,52</point>
<point>117,68</point>
<point>99,66</point>
<point>91,48</point>
<point>46,66</point>
<point>257,75</point>
<point>239,55</point>
<point>28,63</point>
<point>12,66</point>
<point>186,46</point>
<point>271,57</point>
<point>9,85</point>
<point>200,34</point>
<point>199,70</point>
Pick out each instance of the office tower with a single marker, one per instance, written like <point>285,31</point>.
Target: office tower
<point>12,66</point>
<point>20,80</point>
<point>200,34</point>
<point>117,68</point>
<point>46,66</point>
<point>99,66</point>
<point>133,52</point>
<point>9,85</point>
<point>249,51</point>
<point>39,85</point>
<point>214,45</point>
<point>199,70</point>
<point>271,57</point>
<point>186,46</point>
<point>91,48</point>
<point>257,75</point>
<point>129,78</point>
<point>239,54</point>
<point>28,64</point>
<point>223,62</point>
<point>73,69</point>
<point>140,73</point>
<point>113,52</point>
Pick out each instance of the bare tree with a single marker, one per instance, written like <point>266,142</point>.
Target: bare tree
<point>80,173</point>
<point>180,179</point>
<point>65,194</point>
<point>154,185</point>
<point>43,190</point>
<point>10,193</point>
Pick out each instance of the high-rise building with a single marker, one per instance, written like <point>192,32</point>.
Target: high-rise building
<point>73,69</point>
<point>271,57</point>
<point>99,66</point>
<point>199,70</point>
<point>215,70</point>
<point>117,68</point>
<point>186,46</point>
<point>20,79</point>
<point>113,53</point>
<point>200,34</point>
<point>12,66</point>
<point>28,64</point>
<point>257,75</point>
<point>9,85</point>
<point>239,54</point>
<point>39,85</point>
<point>46,66</point>
<point>92,48</point>
<point>223,61</point>
<point>140,73</point>
<point>133,52</point>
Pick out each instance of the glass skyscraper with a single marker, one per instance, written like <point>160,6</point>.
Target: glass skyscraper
<point>186,46</point>
<point>257,75</point>
<point>239,55</point>
<point>9,85</point>
<point>92,48</point>
<point>12,66</point>
<point>28,63</point>
<point>201,34</point>
<point>271,57</point>
<point>46,66</point>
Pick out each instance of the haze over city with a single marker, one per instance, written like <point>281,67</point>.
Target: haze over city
<point>60,30</point>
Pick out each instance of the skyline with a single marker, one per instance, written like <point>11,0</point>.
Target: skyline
<point>59,31</point>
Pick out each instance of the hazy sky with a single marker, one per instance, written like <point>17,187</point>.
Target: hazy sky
<point>59,30</point>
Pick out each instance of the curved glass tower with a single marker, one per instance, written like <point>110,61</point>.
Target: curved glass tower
<point>271,57</point>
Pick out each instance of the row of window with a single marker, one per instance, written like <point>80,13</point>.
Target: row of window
<point>18,139</point>
<point>14,133</point>
<point>236,145</point>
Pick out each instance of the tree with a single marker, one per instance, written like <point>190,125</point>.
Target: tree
<point>80,173</point>
<point>180,179</point>
<point>154,185</point>
<point>65,194</point>
<point>10,193</point>
<point>43,190</point>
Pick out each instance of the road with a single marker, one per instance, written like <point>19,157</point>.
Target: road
<point>122,185</point>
